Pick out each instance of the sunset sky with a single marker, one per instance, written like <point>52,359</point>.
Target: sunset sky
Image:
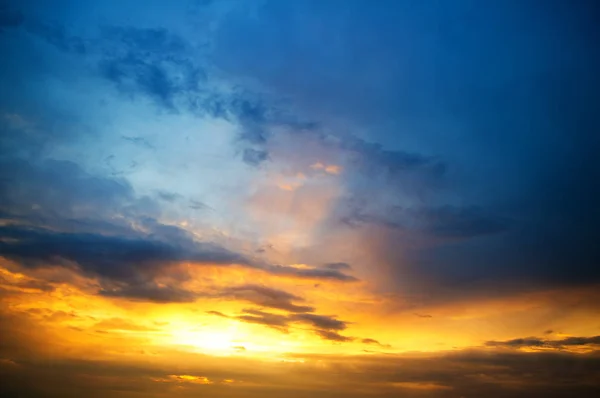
<point>297,198</point>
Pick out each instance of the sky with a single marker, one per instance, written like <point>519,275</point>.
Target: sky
<point>334,198</point>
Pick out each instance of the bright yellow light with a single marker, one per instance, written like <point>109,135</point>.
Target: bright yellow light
<point>215,341</point>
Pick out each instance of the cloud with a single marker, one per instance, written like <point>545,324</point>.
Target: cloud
<point>118,258</point>
<point>324,326</point>
<point>422,315</point>
<point>321,321</point>
<point>333,336</point>
<point>310,273</point>
<point>539,342</point>
<point>280,322</point>
<point>58,189</point>
<point>337,266</point>
<point>141,141</point>
<point>217,313</point>
<point>465,222</point>
<point>151,62</point>
<point>150,291</point>
<point>40,201</point>
<point>267,297</point>
<point>440,222</point>
<point>254,157</point>
<point>375,342</point>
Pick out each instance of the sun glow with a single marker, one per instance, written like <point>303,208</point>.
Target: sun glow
<point>214,341</point>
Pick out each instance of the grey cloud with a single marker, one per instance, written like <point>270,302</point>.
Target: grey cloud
<point>267,297</point>
<point>326,327</point>
<point>539,342</point>
<point>197,205</point>
<point>375,342</point>
<point>422,315</point>
<point>310,273</point>
<point>168,196</point>
<point>337,266</point>
<point>141,141</point>
<point>150,291</point>
<point>39,285</point>
<point>333,336</point>
<point>280,322</point>
<point>217,313</point>
<point>254,157</point>
<point>324,322</point>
